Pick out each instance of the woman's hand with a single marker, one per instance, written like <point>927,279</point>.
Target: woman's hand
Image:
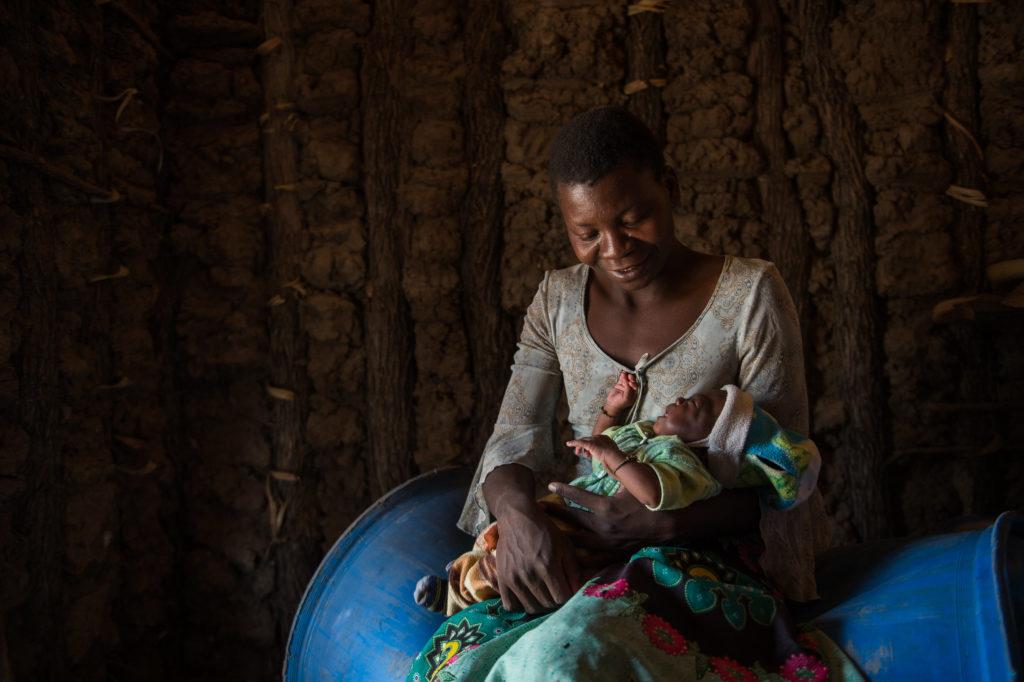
<point>537,566</point>
<point>620,522</point>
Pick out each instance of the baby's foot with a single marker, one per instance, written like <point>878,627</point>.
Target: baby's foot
<point>431,592</point>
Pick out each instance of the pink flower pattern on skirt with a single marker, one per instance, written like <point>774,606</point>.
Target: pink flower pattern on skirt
<point>612,590</point>
<point>804,668</point>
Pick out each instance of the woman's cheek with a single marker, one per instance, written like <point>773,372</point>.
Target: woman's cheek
<point>586,253</point>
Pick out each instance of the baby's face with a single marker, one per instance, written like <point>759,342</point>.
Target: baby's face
<point>691,418</point>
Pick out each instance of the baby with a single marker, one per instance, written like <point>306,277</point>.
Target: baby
<point>653,461</point>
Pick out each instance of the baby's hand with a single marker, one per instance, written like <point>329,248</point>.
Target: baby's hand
<point>622,395</point>
<point>601,448</point>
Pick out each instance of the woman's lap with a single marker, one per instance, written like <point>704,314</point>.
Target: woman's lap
<point>668,613</point>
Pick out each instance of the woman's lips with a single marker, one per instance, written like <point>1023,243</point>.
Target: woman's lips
<point>632,272</point>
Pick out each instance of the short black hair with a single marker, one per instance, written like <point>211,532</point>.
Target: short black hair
<point>598,141</point>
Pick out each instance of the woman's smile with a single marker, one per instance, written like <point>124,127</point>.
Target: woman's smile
<point>632,271</point>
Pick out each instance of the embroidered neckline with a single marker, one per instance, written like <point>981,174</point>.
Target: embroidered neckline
<point>582,315</point>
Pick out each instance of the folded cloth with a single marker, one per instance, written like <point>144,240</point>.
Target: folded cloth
<point>747,447</point>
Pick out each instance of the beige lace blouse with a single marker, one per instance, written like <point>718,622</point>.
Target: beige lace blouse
<point>748,335</point>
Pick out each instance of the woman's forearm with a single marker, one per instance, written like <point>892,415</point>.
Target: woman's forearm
<point>510,486</point>
<point>621,522</point>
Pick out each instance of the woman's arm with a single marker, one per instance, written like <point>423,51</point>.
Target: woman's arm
<point>620,522</point>
<point>537,567</point>
<point>771,356</point>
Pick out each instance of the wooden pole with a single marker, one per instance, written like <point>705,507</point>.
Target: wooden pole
<point>789,245</point>
<point>292,531</point>
<point>40,391</point>
<point>857,328</point>
<point>971,342</point>
<point>390,370</point>
<point>488,330</point>
<point>41,417</point>
<point>645,58</point>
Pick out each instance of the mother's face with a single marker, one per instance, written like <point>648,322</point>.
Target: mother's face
<point>622,225</point>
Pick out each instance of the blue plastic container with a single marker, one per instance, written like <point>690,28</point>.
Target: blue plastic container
<point>937,608</point>
<point>945,607</point>
<point>357,620</point>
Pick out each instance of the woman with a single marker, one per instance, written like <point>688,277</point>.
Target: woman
<point>684,322</point>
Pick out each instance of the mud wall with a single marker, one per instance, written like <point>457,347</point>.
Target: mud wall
<point>265,259</point>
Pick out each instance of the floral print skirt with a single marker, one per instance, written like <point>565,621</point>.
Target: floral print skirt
<point>669,613</point>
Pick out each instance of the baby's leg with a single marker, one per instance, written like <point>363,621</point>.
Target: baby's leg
<point>472,578</point>
<point>431,592</point>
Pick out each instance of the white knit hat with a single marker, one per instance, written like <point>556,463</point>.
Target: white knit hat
<point>729,435</point>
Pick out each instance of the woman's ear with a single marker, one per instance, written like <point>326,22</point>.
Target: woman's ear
<point>671,183</point>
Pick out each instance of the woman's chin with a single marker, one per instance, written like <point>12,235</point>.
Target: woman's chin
<point>639,276</point>
<point>633,280</point>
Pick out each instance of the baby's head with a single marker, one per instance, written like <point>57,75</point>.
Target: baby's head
<point>693,418</point>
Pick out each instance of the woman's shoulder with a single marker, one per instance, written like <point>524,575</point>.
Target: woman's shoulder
<point>746,285</point>
<point>749,268</point>
<point>739,282</point>
<point>563,283</point>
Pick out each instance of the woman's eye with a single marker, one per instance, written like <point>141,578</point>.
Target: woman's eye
<point>588,237</point>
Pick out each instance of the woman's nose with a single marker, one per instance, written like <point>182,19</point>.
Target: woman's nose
<point>615,244</point>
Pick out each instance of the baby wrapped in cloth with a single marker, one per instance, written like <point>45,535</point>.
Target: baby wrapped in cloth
<point>746,447</point>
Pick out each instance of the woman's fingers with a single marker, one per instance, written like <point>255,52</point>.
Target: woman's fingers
<point>566,514</point>
<point>574,573</point>
<point>558,583</point>
<point>526,594</point>
<point>587,539</point>
<point>591,501</point>
<point>509,601</point>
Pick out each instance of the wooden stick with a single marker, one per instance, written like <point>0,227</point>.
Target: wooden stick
<point>971,308</point>
<point>645,70</point>
<point>135,196</point>
<point>141,25</point>
<point>64,176</point>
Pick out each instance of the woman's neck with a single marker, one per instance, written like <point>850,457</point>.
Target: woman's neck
<point>681,273</point>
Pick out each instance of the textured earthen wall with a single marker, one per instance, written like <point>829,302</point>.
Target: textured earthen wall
<point>193,400</point>
<point>88,479</point>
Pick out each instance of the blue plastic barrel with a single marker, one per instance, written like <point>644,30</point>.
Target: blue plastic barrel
<point>944,607</point>
<point>357,620</point>
<point>937,608</point>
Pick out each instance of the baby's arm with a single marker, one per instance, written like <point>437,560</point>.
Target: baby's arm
<point>619,400</point>
<point>637,478</point>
